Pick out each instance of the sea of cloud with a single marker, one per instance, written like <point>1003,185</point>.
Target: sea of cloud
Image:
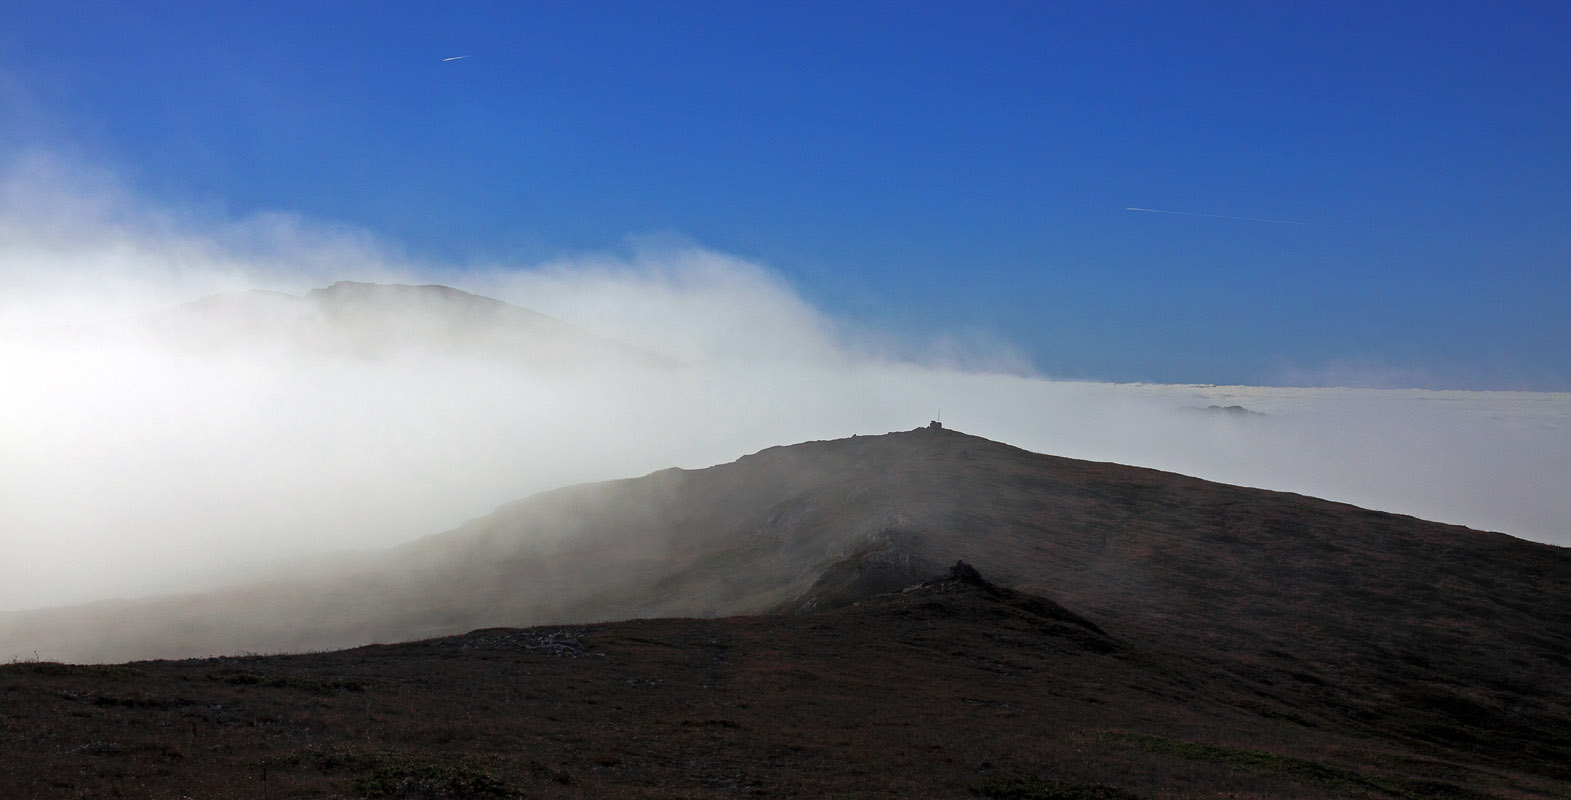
<point>128,467</point>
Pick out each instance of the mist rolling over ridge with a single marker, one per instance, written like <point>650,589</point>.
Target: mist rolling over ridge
<point>808,400</point>
<point>822,524</point>
<point>190,399</point>
<point>570,400</point>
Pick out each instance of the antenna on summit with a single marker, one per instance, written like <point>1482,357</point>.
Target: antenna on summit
<point>937,423</point>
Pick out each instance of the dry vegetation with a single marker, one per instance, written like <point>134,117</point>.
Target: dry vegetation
<point>945,690</point>
<point>1183,640</point>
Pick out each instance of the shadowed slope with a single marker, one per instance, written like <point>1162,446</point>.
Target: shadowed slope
<point>1319,612</point>
<point>1150,552</point>
<point>1302,620</point>
<point>950,688</point>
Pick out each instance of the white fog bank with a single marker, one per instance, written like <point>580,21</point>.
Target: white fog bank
<point>133,464</point>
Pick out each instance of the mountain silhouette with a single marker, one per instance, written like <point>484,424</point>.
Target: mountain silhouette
<point>1273,613</point>
<point>1146,553</point>
<point>352,319</point>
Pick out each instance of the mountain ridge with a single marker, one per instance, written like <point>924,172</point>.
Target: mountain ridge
<point>1214,617</point>
<point>363,320</point>
<point>754,534</point>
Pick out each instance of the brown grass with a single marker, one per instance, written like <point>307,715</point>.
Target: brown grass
<point>1187,639</point>
<point>949,690</point>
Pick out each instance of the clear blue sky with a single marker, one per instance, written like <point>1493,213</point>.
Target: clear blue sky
<point>914,166</point>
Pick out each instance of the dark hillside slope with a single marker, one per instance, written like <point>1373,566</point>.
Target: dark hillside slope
<point>1153,554</point>
<point>951,688</point>
<point>1208,620</point>
<point>1320,612</point>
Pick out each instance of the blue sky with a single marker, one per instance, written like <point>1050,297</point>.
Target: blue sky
<point>913,167</point>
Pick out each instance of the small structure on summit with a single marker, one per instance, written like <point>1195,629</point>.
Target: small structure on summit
<point>965,573</point>
<point>935,424</point>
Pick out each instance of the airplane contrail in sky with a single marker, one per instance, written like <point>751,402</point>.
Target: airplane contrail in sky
<point>1225,216</point>
<point>454,58</point>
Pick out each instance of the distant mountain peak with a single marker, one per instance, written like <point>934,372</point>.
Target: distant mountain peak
<point>388,291</point>
<point>378,320</point>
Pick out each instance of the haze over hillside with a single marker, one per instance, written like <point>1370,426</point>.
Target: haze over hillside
<point>231,433</point>
<point>1142,630</point>
<point>793,528</point>
<point>357,320</point>
<point>324,324</point>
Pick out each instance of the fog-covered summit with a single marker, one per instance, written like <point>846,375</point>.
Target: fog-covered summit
<point>373,320</point>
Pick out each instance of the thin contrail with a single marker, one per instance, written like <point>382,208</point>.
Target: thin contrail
<point>454,58</point>
<point>1226,216</point>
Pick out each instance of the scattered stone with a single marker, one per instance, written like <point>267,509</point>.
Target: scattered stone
<point>562,643</point>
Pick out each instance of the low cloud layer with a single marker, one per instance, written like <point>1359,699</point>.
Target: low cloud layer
<point>132,464</point>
